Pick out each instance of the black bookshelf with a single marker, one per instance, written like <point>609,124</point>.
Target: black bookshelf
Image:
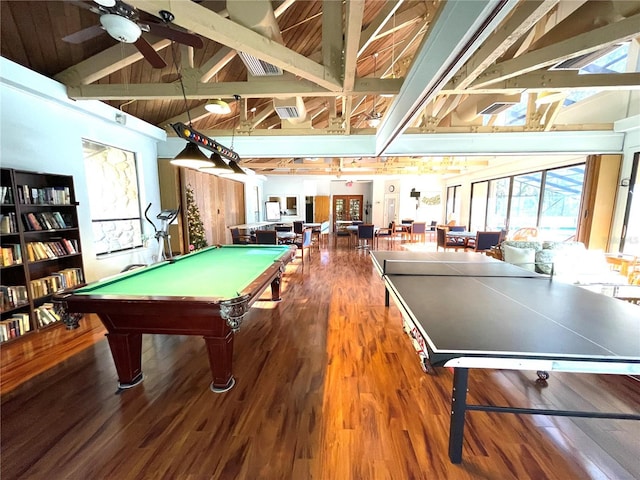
<point>41,250</point>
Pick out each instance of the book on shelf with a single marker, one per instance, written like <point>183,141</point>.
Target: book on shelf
<point>46,315</point>
<point>12,296</point>
<point>60,220</point>
<point>8,223</point>
<point>31,223</point>
<point>56,282</point>
<point>15,326</point>
<point>44,195</point>
<point>59,247</point>
<point>10,254</point>
<point>6,195</point>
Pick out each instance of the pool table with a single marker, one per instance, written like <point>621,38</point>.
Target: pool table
<point>206,293</point>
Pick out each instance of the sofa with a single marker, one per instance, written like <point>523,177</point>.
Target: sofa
<point>568,262</point>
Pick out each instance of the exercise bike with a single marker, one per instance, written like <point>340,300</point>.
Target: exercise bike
<point>162,236</point>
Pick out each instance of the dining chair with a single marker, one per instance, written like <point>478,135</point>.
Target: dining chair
<point>266,237</point>
<point>323,234</point>
<point>282,228</point>
<point>484,241</point>
<point>418,230</point>
<point>387,232</point>
<point>305,243</point>
<point>238,239</point>
<point>443,242</point>
<point>366,234</point>
<point>431,229</point>
<point>298,227</point>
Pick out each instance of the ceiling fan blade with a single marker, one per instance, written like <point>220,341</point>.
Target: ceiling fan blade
<point>185,38</point>
<point>149,53</point>
<point>84,34</point>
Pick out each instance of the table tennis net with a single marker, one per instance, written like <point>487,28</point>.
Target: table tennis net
<point>456,269</point>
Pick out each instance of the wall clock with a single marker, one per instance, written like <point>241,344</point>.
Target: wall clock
<point>392,188</point>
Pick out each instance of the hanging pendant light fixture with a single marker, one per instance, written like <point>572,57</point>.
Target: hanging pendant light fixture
<point>218,107</point>
<point>235,168</point>
<point>191,157</point>
<point>216,166</point>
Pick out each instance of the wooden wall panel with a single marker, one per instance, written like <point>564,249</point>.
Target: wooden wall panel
<point>598,200</point>
<point>220,201</point>
<point>169,178</point>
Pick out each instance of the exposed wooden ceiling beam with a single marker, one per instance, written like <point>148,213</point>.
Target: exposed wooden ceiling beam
<point>203,91</point>
<point>550,55</point>
<point>352,30</point>
<point>332,43</point>
<point>378,23</point>
<point>204,22</point>
<point>545,80</point>
<point>518,24</point>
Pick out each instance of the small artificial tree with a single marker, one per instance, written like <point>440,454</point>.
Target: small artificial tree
<point>197,239</point>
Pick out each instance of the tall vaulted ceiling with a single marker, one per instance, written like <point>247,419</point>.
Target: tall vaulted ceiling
<point>419,67</point>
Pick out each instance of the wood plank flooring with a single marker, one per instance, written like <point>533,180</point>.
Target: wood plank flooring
<point>328,387</point>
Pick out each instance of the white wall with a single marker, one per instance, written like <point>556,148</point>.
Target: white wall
<point>41,130</point>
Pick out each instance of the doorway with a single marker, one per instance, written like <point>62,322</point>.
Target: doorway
<point>391,209</point>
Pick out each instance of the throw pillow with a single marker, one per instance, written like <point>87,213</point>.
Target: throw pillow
<point>544,260</point>
<point>523,257</point>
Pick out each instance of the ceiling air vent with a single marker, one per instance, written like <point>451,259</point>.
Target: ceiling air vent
<point>287,112</point>
<point>259,68</point>
<point>289,108</point>
<point>497,107</point>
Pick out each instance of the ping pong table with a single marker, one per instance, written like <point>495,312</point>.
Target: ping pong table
<point>465,310</point>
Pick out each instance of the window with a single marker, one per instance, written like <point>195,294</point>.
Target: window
<point>498,204</point>
<point>525,199</point>
<point>453,203</point>
<point>478,206</point>
<point>561,203</point>
<point>548,200</point>
<point>112,183</point>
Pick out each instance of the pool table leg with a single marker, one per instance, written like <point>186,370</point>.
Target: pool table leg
<point>275,289</point>
<point>126,349</point>
<point>220,356</point>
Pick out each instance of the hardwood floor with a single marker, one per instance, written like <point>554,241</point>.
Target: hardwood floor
<point>328,387</point>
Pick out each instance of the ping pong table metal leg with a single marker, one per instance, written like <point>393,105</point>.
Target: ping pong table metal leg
<point>458,409</point>
<point>386,297</point>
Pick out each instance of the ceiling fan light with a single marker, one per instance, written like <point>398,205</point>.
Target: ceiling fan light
<point>216,165</point>
<point>120,28</point>
<point>106,3</point>
<point>219,107</point>
<point>374,121</point>
<point>191,157</point>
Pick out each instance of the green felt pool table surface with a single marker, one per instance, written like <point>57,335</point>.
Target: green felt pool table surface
<point>221,272</point>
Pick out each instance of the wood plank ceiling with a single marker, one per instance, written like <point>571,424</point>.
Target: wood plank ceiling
<point>343,63</point>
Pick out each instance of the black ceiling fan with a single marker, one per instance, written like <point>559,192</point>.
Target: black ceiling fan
<point>126,24</point>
